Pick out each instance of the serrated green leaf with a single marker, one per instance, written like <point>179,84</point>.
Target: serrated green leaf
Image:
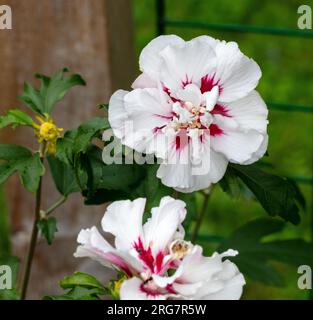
<point>77,140</point>
<point>48,228</point>
<point>255,254</point>
<point>277,195</point>
<point>28,165</point>
<point>63,176</point>
<point>15,118</point>
<point>51,91</point>
<point>30,171</point>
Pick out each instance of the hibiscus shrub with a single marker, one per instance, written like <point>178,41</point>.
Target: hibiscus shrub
<point>193,103</point>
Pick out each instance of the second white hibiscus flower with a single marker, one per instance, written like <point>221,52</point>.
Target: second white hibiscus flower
<point>194,106</point>
<point>157,261</point>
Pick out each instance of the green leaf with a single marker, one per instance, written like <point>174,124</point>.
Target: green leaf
<point>255,254</point>
<point>108,182</point>
<point>278,196</point>
<point>82,286</point>
<point>77,140</point>
<point>51,91</point>
<point>114,176</point>
<point>81,279</point>
<point>15,118</point>
<point>48,228</point>
<point>63,176</point>
<point>28,165</point>
<point>13,263</point>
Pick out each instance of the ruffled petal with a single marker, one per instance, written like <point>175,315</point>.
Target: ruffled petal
<point>185,64</point>
<point>116,221</point>
<point>94,246</point>
<point>250,112</point>
<point>150,59</point>
<point>160,229</point>
<point>148,113</point>
<point>237,144</point>
<point>117,114</point>
<point>144,81</point>
<point>235,73</point>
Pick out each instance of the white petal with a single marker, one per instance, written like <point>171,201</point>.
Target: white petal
<point>176,172</point>
<point>144,81</point>
<point>250,112</point>
<point>238,146</point>
<point>197,268</point>
<point>236,73</point>
<point>160,229</point>
<point>232,290</point>
<point>259,153</point>
<point>207,39</point>
<point>150,60</point>
<point>187,177</point>
<point>94,246</point>
<point>131,290</point>
<point>124,220</point>
<point>186,64</point>
<point>116,113</point>
<point>211,98</point>
<point>147,112</point>
<point>191,93</point>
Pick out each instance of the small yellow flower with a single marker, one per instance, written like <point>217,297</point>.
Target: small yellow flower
<point>47,132</point>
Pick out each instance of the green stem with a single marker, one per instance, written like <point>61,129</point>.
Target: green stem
<point>200,217</point>
<point>33,242</point>
<point>55,205</point>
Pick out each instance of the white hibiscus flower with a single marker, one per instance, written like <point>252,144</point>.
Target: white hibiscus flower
<point>158,263</point>
<point>194,106</point>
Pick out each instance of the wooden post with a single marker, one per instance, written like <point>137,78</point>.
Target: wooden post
<point>90,37</point>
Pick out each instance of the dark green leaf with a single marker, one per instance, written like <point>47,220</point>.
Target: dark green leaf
<point>255,254</point>
<point>277,195</point>
<point>48,228</point>
<point>63,176</point>
<point>114,176</point>
<point>51,91</point>
<point>28,165</point>
<point>15,118</point>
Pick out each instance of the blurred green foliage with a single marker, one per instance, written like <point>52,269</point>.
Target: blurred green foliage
<point>287,67</point>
